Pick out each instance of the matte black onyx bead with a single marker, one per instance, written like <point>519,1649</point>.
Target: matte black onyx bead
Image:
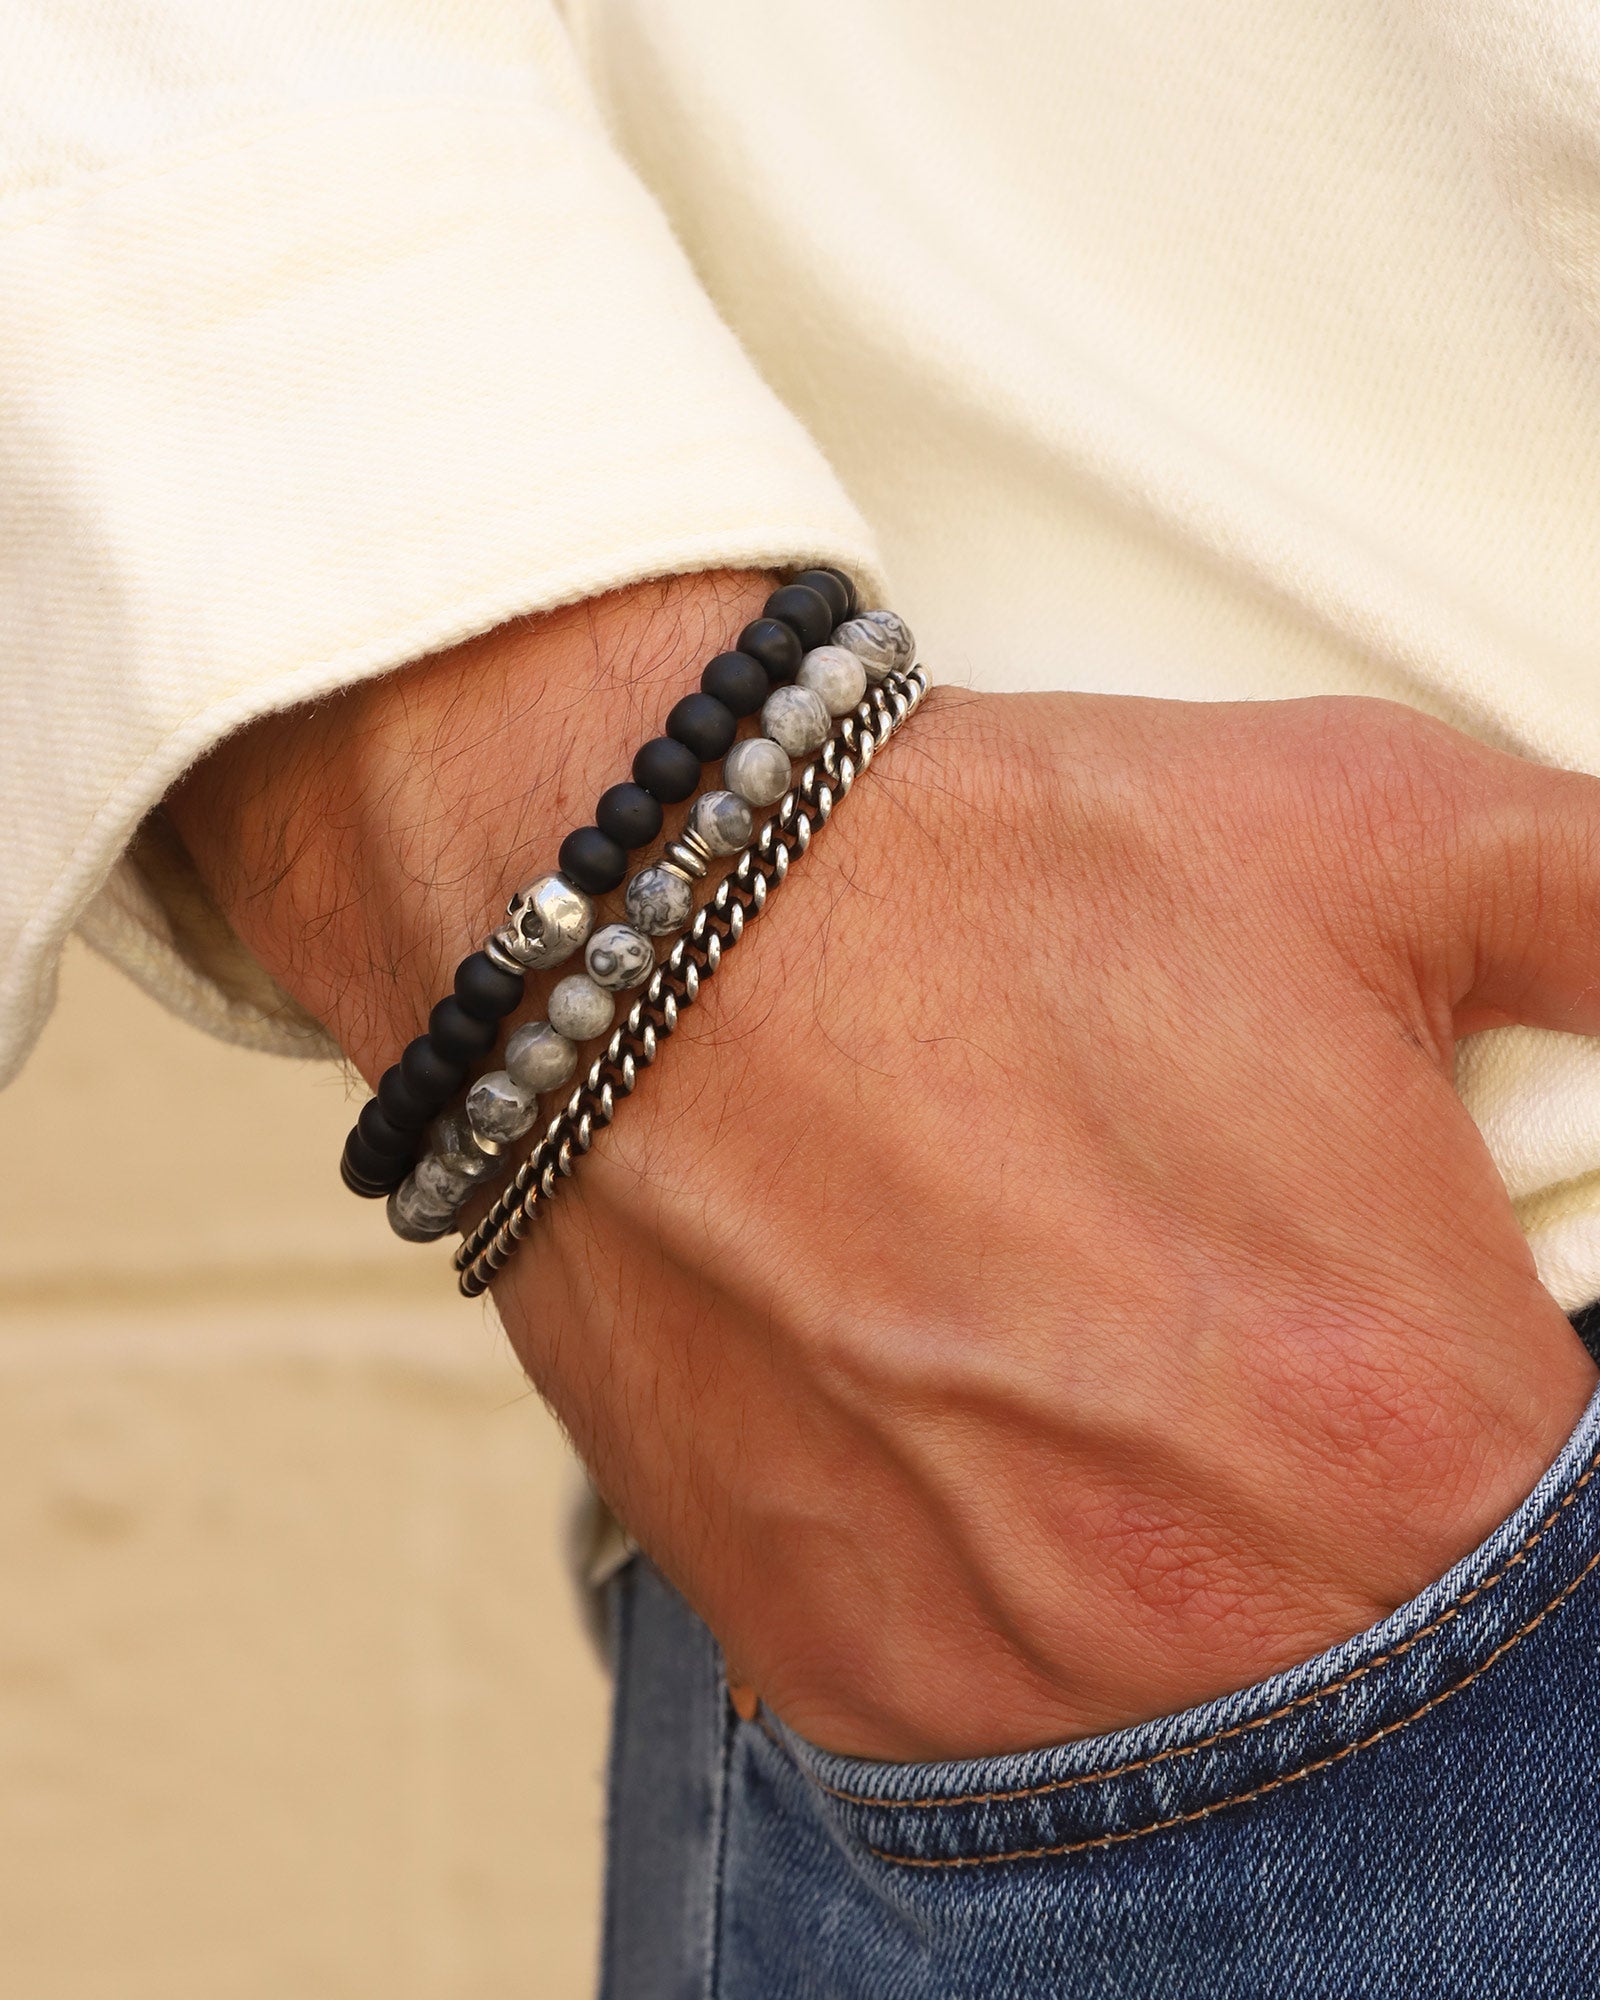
<point>737,681</point>
<point>805,611</point>
<point>487,991</point>
<point>400,1104</point>
<point>829,584</point>
<point>628,815</point>
<point>850,600</point>
<point>458,1035</point>
<point>433,1077</point>
<point>382,1137</point>
<point>775,646</point>
<point>704,725</point>
<point>592,861</point>
<point>666,770</point>
<point>367,1173</point>
<point>368,1190</point>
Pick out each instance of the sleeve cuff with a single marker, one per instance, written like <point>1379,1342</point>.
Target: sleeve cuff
<point>300,406</point>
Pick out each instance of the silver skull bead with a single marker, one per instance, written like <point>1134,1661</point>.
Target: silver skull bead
<point>549,920</point>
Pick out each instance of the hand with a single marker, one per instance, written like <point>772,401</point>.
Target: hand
<point>1051,1279</point>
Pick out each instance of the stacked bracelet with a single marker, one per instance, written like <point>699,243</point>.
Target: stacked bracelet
<point>501,1106</point>
<point>676,984</point>
<point>782,666</point>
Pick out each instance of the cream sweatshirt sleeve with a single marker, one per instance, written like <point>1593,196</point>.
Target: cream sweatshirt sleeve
<point>331,331</point>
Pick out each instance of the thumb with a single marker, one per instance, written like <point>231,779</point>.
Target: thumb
<point>1526,900</point>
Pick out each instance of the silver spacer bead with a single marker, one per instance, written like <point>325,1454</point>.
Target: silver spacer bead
<point>687,856</point>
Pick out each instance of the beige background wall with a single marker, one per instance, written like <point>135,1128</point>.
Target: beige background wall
<point>293,1700</point>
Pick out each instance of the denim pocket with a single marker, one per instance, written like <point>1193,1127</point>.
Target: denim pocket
<point>1185,1769</point>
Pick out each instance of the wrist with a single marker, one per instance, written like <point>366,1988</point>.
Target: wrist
<point>361,846</point>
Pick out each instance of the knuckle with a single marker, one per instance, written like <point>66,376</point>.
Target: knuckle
<point>1395,779</point>
<point>1551,838</point>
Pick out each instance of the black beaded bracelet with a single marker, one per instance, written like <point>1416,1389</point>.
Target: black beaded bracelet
<point>467,1149</point>
<point>553,916</point>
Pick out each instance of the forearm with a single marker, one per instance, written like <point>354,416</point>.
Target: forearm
<point>360,846</point>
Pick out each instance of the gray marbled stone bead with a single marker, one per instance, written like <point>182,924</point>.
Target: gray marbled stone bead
<point>538,1059</point>
<point>836,674</point>
<point>659,901</point>
<point>619,957</point>
<point>439,1185</point>
<point>880,640</point>
<point>414,1217</point>
<point>498,1108</point>
<point>796,719</point>
<point>724,821</point>
<point>464,1152</point>
<point>549,920</point>
<point>579,1009</point>
<point>757,770</point>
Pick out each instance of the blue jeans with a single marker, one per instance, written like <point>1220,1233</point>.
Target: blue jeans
<point>1416,1812</point>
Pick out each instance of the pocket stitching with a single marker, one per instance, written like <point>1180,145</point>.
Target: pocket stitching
<point>1177,1750</point>
<point>1259,1791</point>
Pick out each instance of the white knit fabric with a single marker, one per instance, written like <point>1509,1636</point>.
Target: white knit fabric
<point>1241,350</point>
<point>329,334</point>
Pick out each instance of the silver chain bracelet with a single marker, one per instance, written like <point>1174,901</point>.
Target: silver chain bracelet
<point>762,867</point>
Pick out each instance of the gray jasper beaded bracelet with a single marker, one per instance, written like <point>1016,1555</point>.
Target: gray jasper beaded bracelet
<point>501,1107</point>
<point>676,983</point>
<point>553,916</point>
<point>800,663</point>
<point>465,1145</point>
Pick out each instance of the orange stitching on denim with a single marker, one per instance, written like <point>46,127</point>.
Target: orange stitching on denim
<point>1054,1785</point>
<point>1260,1791</point>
